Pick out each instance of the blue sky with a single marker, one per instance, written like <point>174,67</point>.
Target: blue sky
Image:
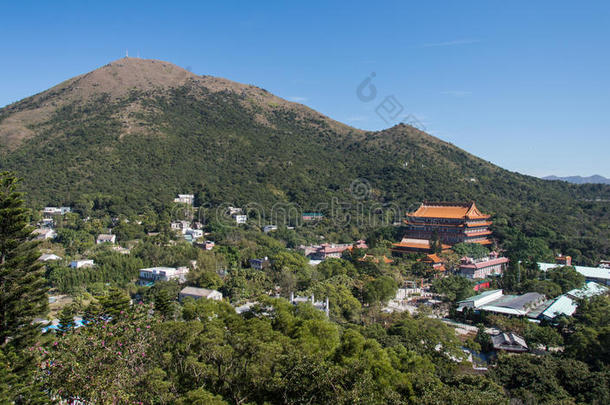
<point>522,84</point>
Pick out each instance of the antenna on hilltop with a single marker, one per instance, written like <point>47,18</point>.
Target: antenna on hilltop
<point>127,53</point>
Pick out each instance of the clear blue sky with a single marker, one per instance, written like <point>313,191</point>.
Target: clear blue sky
<point>524,84</point>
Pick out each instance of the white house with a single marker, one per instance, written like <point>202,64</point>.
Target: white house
<point>181,226</point>
<point>195,233</point>
<point>44,233</point>
<point>185,199</point>
<point>56,210</point>
<point>269,228</point>
<point>164,274</point>
<point>241,219</point>
<point>234,211</point>
<point>77,264</point>
<point>198,293</point>
<point>47,257</point>
<point>106,238</point>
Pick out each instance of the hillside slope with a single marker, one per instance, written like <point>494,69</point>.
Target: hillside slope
<point>136,132</point>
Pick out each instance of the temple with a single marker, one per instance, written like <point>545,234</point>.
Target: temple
<point>451,223</point>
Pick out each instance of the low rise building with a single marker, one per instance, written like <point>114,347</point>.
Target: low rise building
<point>312,216</point>
<point>496,302</point>
<point>47,211</point>
<point>185,199</point>
<point>153,274</point>
<point>599,275</point>
<point>509,342</point>
<point>44,234</point>
<point>260,264</point>
<point>269,228</point>
<point>195,233</point>
<point>180,226</point>
<point>320,305</point>
<point>105,238</point>
<point>566,304</point>
<point>77,264</point>
<point>241,218</point>
<point>492,265</point>
<point>48,257</point>
<point>198,293</point>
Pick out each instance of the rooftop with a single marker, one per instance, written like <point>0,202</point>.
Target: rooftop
<point>449,210</point>
<point>198,292</point>
<point>590,289</point>
<point>589,272</point>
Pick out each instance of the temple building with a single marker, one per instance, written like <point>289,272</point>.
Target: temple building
<point>452,223</point>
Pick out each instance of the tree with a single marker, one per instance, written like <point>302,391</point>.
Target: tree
<point>66,319</point>
<point>566,277</point>
<point>483,339</point>
<point>455,288</point>
<point>115,303</point>
<point>23,295</point>
<point>380,289</point>
<point>474,250</point>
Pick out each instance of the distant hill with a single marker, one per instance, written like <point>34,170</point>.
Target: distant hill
<point>130,135</point>
<point>595,179</point>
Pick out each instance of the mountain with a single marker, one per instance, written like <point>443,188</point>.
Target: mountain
<point>595,179</point>
<point>130,135</point>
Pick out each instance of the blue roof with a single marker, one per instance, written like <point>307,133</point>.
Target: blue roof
<point>563,305</point>
<point>589,272</point>
<point>590,289</point>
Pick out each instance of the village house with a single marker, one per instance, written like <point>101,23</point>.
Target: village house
<point>509,342</point>
<point>234,210</point>
<point>330,250</point>
<point>195,233</point>
<point>269,228</point>
<point>241,219</point>
<point>56,210</point>
<point>312,216</point>
<point>105,238</point>
<point>198,293</point>
<point>260,264</point>
<point>188,199</point>
<point>180,226</point>
<point>153,274</point>
<point>77,264</point>
<point>44,233</point>
<point>47,257</point>
<point>320,305</point>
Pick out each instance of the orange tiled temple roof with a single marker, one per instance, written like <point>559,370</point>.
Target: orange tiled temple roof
<point>449,210</point>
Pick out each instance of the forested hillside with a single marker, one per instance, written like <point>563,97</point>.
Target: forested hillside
<point>132,134</point>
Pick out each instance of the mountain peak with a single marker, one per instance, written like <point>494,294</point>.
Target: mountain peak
<point>118,79</point>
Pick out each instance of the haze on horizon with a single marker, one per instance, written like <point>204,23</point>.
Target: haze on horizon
<point>522,85</point>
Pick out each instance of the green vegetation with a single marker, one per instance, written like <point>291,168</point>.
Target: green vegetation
<point>195,140</point>
<point>139,344</point>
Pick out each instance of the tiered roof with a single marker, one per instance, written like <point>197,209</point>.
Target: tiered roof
<point>448,210</point>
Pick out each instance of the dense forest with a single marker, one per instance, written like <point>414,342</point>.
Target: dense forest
<point>140,344</point>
